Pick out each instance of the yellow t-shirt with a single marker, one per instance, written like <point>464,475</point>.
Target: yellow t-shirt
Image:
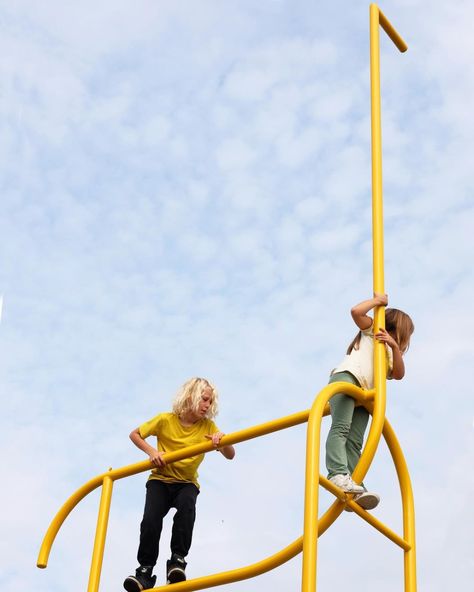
<point>171,436</point>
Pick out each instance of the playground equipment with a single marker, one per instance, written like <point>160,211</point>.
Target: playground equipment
<point>373,400</point>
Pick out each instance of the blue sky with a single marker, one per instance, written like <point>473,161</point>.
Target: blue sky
<point>186,191</point>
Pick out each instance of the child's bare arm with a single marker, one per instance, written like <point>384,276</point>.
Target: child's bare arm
<point>227,451</point>
<point>398,370</point>
<point>359,311</point>
<point>156,457</point>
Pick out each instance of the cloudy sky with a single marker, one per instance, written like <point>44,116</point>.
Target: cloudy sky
<point>185,190</point>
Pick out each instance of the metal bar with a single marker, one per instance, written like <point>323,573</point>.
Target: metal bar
<point>312,525</point>
<point>100,534</point>
<point>408,505</point>
<point>391,32</point>
<point>127,471</point>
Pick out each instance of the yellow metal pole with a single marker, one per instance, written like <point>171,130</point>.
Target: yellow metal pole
<point>100,534</point>
<point>408,505</point>
<point>129,470</point>
<point>311,522</point>
<point>377,243</point>
<point>377,19</point>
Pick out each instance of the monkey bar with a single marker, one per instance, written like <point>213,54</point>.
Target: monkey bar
<point>374,400</point>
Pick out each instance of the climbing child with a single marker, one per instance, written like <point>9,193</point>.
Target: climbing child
<point>346,435</point>
<point>174,485</point>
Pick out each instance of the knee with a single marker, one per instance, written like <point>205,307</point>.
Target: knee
<point>339,428</point>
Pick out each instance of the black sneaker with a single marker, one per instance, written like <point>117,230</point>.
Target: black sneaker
<point>142,580</point>
<point>175,569</point>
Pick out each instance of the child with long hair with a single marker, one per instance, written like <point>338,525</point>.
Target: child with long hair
<point>346,435</point>
<point>175,485</point>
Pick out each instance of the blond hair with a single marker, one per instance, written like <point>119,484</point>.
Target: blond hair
<point>189,396</point>
<point>398,324</point>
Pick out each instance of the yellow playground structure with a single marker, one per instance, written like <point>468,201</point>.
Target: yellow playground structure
<point>374,400</point>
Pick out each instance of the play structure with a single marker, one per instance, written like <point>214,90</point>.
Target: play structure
<point>374,400</point>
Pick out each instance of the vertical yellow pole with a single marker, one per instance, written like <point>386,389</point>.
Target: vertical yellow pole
<point>310,533</point>
<point>377,192</point>
<point>377,248</point>
<point>100,534</point>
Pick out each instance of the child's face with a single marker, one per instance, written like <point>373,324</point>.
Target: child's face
<point>205,402</point>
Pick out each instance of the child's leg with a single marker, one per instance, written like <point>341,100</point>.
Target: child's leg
<point>342,409</point>
<point>355,439</point>
<point>184,500</point>
<point>157,505</point>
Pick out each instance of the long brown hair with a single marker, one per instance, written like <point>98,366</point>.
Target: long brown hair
<point>398,324</point>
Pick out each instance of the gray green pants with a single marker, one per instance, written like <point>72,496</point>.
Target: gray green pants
<point>346,436</point>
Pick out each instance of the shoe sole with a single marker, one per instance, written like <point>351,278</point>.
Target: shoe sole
<point>367,501</point>
<point>132,585</point>
<point>176,575</point>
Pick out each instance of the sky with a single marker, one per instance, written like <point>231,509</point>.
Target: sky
<point>185,191</point>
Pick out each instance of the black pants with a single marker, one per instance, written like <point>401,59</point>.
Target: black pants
<point>160,497</point>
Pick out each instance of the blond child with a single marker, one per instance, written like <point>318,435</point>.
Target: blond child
<point>174,485</point>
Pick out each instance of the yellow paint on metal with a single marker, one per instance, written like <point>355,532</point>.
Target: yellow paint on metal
<point>100,534</point>
<point>373,400</point>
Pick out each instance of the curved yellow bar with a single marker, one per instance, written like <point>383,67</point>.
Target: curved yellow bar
<point>310,533</point>
<point>291,550</point>
<point>408,505</point>
<point>324,522</point>
<point>127,471</point>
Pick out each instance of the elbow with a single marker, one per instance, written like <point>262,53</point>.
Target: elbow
<point>230,453</point>
<point>398,375</point>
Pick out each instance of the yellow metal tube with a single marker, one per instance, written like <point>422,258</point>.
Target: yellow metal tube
<point>100,534</point>
<point>391,32</point>
<point>127,471</point>
<point>288,552</point>
<point>376,136</point>
<point>241,573</point>
<point>408,505</point>
<point>310,533</point>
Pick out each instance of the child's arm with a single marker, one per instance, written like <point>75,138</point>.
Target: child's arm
<point>359,311</point>
<point>228,451</point>
<point>155,457</point>
<point>398,370</point>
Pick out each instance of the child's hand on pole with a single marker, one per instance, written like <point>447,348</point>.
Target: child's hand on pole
<point>157,459</point>
<point>216,438</point>
<point>380,299</point>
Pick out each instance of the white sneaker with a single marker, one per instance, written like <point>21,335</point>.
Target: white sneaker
<point>346,483</point>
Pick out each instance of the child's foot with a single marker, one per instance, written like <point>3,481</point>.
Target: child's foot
<point>142,580</point>
<point>346,483</point>
<point>366,500</point>
<point>175,569</point>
